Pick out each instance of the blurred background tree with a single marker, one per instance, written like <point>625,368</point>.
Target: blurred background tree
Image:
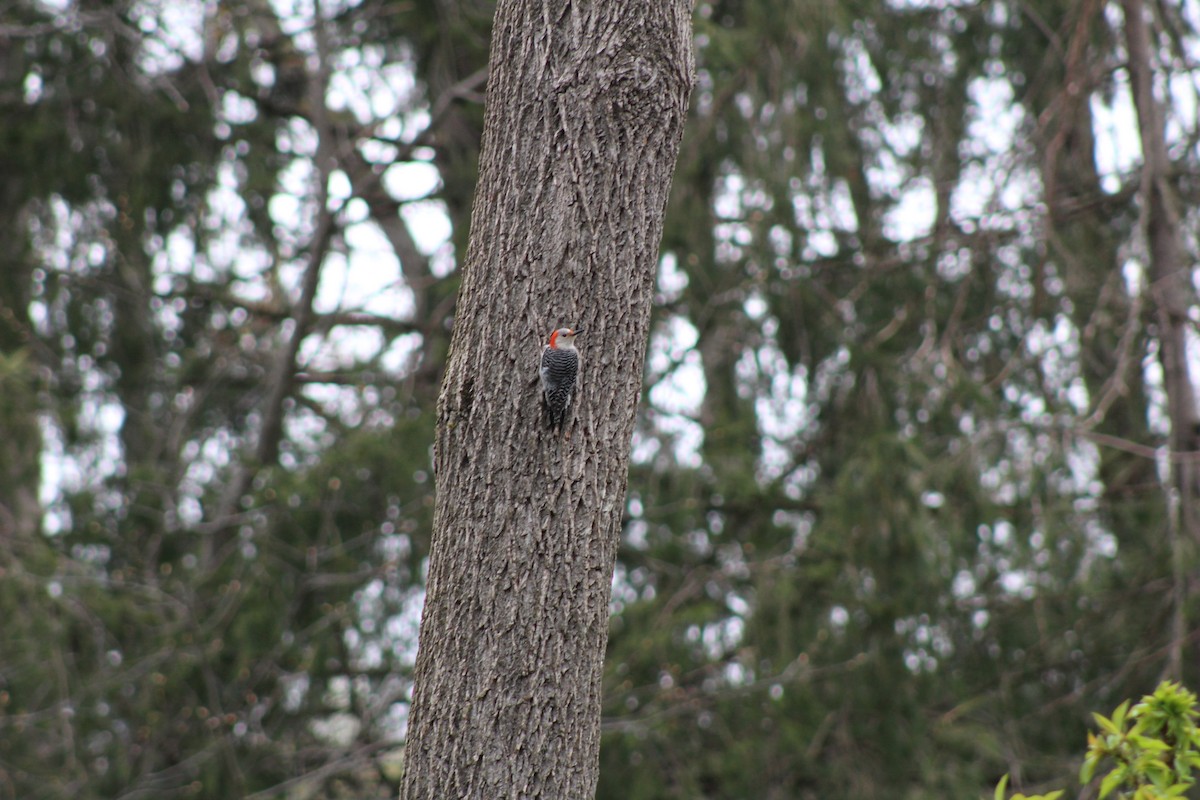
<point>227,284</point>
<point>912,489</point>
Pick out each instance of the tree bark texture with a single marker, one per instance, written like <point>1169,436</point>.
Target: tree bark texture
<point>585,109</point>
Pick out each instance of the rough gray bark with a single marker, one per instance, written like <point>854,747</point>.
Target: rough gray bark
<point>585,109</point>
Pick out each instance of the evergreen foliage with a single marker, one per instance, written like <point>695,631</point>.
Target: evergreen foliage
<point>902,512</point>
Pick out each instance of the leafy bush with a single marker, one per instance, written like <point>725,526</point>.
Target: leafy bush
<point>1153,749</point>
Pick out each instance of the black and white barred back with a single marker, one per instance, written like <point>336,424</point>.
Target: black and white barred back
<point>559,372</point>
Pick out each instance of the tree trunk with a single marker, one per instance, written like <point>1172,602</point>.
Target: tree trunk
<point>585,109</point>
<point>21,445</point>
<point>1172,294</point>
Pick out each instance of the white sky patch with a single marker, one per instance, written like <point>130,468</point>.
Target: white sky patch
<point>840,211</point>
<point>368,87</point>
<point>904,134</point>
<point>412,180</point>
<point>782,416</point>
<point>237,109</point>
<point>1181,100</point>
<point>718,638</point>
<point>226,251</point>
<point>334,352</point>
<point>32,88</point>
<point>1118,145</point>
<point>994,117</point>
<point>1057,350</point>
<point>99,419</point>
<point>671,279</point>
<point>913,215</point>
<point>297,138</point>
<point>430,227</point>
<point>177,257</point>
<point>673,355</point>
<point>727,197</point>
<point>295,181</point>
<point>861,81</point>
<point>990,181</point>
<point>370,280</point>
<point>168,33</point>
<point>296,19</point>
<point>1152,372</point>
<point>780,396</point>
<point>401,356</point>
<point>678,386</point>
<point>782,406</point>
<point>681,390</point>
<point>339,189</point>
<point>821,210</point>
<point>1017,582</point>
<point>58,474</point>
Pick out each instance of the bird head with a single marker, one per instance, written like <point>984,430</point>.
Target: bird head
<point>564,338</point>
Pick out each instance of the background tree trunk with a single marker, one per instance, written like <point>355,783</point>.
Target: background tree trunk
<point>1171,290</point>
<point>585,109</point>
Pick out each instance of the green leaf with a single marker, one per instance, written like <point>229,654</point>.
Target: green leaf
<point>1111,781</point>
<point>1150,744</point>
<point>1106,723</point>
<point>1000,787</point>
<point>1158,773</point>
<point>1119,715</point>
<point>1088,770</point>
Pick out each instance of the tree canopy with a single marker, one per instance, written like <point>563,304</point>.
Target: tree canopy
<point>912,487</point>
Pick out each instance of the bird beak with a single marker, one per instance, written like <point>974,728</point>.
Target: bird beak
<point>577,331</point>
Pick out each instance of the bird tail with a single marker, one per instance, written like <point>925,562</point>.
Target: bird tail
<point>555,419</point>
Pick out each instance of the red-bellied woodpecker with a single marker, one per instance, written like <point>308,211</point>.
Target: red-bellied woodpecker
<point>559,370</point>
